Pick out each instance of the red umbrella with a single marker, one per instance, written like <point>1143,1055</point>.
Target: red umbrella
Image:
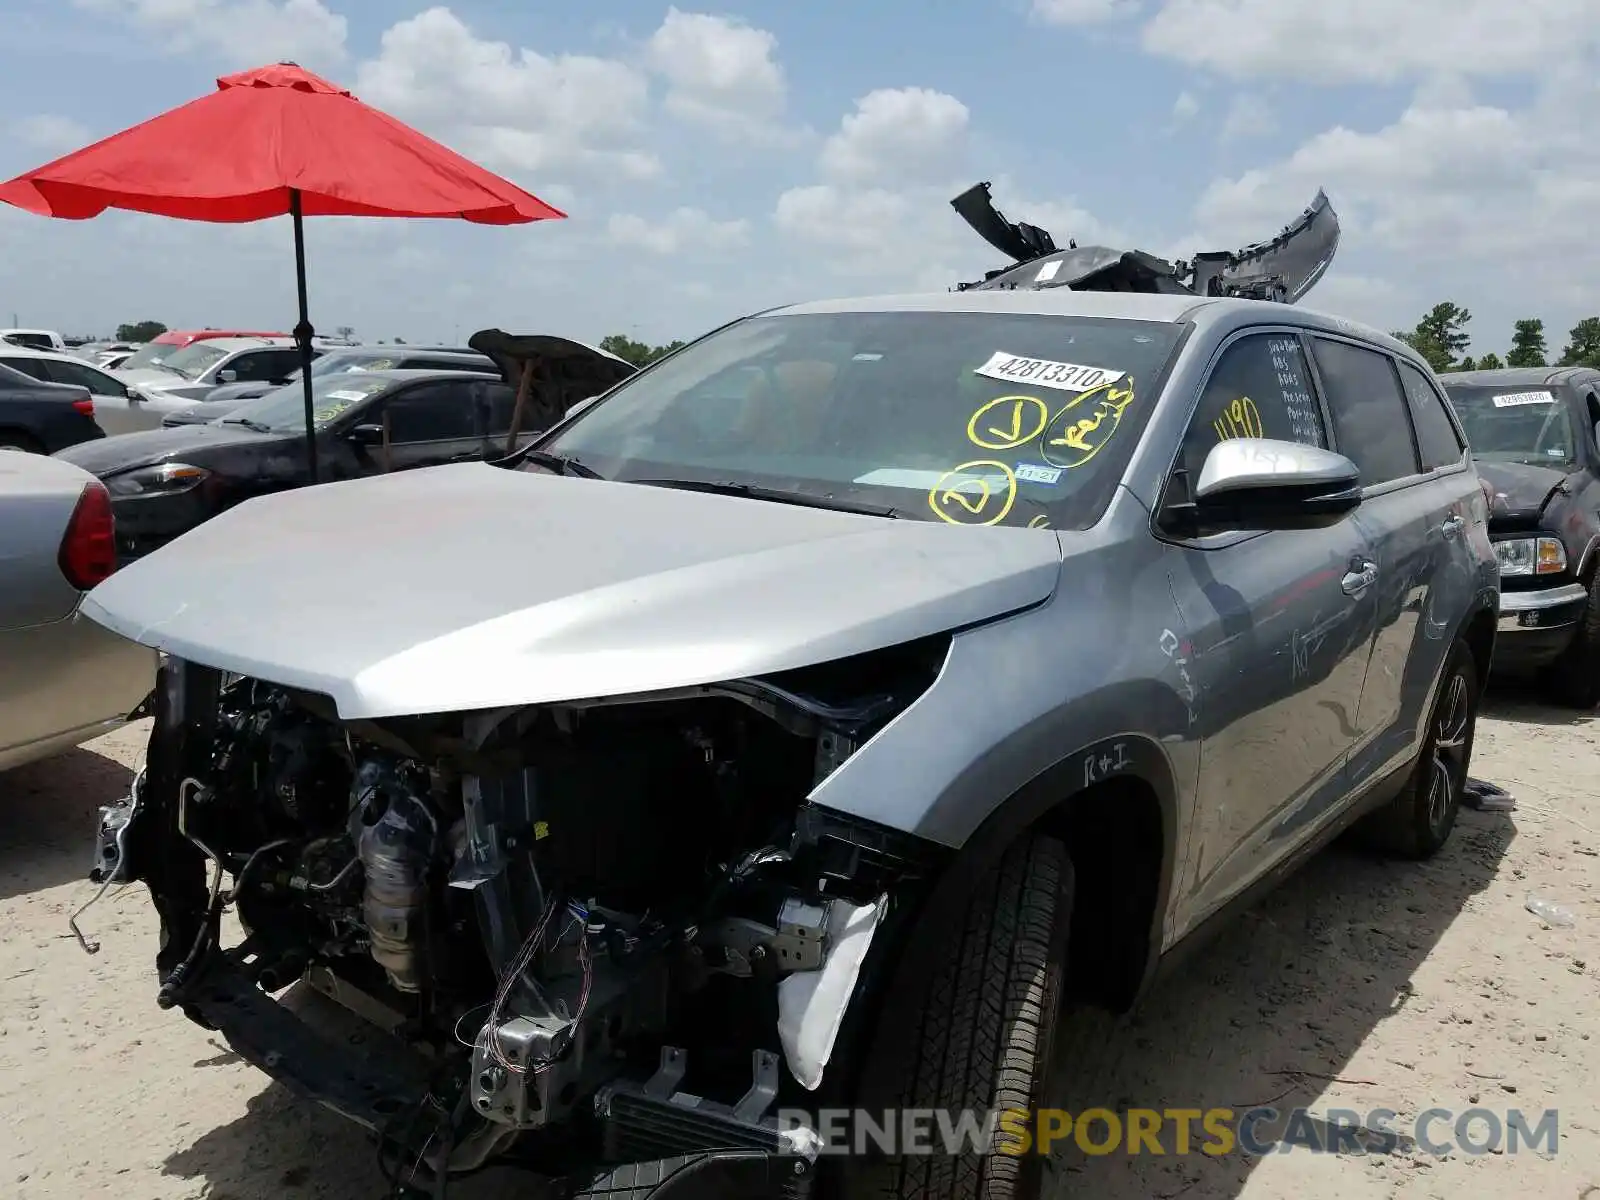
<point>267,142</point>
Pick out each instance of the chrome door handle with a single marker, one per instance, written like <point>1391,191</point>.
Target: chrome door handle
<point>1452,526</point>
<point>1357,581</point>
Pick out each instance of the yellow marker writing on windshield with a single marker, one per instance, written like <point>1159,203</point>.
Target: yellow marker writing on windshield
<point>1077,433</point>
<point>1241,419</point>
<point>962,496</point>
<point>1007,422</point>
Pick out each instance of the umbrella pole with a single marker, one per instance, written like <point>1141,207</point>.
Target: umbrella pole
<point>303,332</point>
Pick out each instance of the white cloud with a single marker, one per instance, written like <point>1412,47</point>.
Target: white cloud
<point>1248,116</point>
<point>904,135</point>
<point>1483,204</point>
<point>1371,40</point>
<point>683,229</point>
<point>1185,107</point>
<point>1083,12</point>
<point>518,110</point>
<point>238,33</point>
<point>49,133</point>
<point>720,72</point>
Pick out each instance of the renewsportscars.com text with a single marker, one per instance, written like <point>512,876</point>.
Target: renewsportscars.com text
<point>1177,1131</point>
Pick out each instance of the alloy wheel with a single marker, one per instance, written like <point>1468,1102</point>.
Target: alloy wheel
<point>1449,749</point>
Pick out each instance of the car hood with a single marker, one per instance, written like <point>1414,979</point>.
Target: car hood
<point>152,379</point>
<point>1521,490</point>
<point>473,586</point>
<point>129,451</point>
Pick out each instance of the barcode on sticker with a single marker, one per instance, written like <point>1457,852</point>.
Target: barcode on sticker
<point>1045,372</point>
<point>1516,399</point>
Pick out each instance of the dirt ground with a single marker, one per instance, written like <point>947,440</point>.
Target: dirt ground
<point>1360,985</point>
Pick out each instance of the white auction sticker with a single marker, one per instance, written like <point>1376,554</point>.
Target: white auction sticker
<point>1048,271</point>
<point>1033,473</point>
<point>1044,372</point>
<point>347,395</point>
<point>1516,399</point>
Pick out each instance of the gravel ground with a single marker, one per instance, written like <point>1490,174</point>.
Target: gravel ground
<point>1359,985</point>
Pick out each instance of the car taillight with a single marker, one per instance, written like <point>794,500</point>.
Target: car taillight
<point>86,407</point>
<point>89,548</point>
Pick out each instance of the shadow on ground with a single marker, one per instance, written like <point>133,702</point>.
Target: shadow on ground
<point>47,818</point>
<point>1525,702</point>
<point>1270,1012</point>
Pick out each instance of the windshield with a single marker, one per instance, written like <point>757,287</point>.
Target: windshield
<point>284,408</point>
<point>192,360</point>
<point>149,355</point>
<point>1514,424</point>
<point>967,418</point>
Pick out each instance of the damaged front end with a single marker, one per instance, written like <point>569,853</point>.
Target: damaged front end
<point>1282,269</point>
<point>606,938</point>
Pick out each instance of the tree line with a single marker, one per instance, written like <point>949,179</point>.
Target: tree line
<point>640,354</point>
<point>1441,337</point>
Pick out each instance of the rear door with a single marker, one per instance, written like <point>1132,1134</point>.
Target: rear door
<point>1280,623</point>
<point>1415,508</point>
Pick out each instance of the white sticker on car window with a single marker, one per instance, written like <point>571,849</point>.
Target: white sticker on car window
<point>1034,473</point>
<point>1517,399</point>
<point>1048,271</point>
<point>1044,372</point>
<point>347,395</point>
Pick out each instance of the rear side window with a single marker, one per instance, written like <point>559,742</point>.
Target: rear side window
<point>1370,415</point>
<point>32,367</point>
<point>1437,440</point>
<point>1257,389</point>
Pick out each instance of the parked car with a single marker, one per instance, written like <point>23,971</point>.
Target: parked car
<point>41,418</point>
<point>117,405</point>
<point>1534,434</point>
<point>36,339</point>
<point>67,679</point>
<point>861,671</point>
<point>167,481</point>
<point>113,360</point>
<point>360,358</point>
<point>188,374</point>
<point>164,345</point>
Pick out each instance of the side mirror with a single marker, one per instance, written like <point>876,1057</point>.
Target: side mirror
<point>366,435</point>
<point>131,394</point>
<point>1261,483</point>
<point>227,375</point>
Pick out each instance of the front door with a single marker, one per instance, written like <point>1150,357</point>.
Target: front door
<point>1280,625</point>
<point>432,422</point>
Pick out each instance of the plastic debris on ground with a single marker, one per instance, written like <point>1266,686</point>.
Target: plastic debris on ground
<point>1487,797</point>
<point>1550,913</point>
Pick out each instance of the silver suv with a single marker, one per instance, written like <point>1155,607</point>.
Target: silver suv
<point>797,724</point>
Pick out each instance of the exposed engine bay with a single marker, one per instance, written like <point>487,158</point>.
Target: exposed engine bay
<point>577,934</point>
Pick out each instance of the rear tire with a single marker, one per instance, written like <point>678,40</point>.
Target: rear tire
<point>1417,823</point>
<point>980,1036</point>
<point>1575,677</point>
<point>20,442</point>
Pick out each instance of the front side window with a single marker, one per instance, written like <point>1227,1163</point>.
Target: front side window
<point>431,412</point>
<point>1522,424</point>
<point>1371,418</point>
<point>80,375</point>
<point>970,418</point>
<point>1259,388</point>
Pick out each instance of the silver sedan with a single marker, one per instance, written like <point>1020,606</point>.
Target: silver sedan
<point>66,679</point>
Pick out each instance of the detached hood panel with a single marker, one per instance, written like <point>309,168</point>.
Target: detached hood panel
<point>1521,490</point>
<point>472,586</point>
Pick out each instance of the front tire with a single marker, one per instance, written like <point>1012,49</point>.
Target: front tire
<point>1417,823</point>
<point>980,1036</point>
<point>1575,677</point>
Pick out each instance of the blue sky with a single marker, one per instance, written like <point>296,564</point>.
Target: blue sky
<point>717,158</point>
